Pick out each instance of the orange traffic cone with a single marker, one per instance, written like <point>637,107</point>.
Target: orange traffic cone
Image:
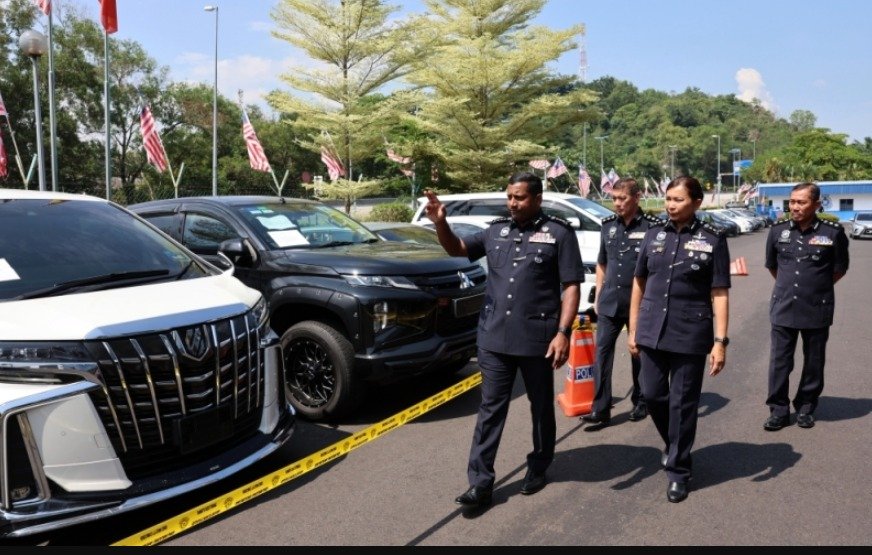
<point>578,389</point>
<point>738,267</point>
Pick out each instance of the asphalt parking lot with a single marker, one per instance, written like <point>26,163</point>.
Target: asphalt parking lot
<point>751,487</point>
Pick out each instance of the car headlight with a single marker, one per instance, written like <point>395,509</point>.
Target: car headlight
<point>259,313</point>
<point>43,362</point>
<point>384,314</point>
<point>399,282</point>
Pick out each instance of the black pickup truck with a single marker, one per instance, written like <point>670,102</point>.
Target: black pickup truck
<point>352,309</point>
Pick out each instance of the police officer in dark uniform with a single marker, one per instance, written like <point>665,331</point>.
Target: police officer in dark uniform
<point>620,238</point>
<point>679,313</point>
<point>531,301</point>
<point>806,256</point>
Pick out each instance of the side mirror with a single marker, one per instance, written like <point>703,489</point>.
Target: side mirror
<point>238,250</point>
<point>574,222</point>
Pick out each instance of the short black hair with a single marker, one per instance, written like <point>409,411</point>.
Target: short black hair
<point>628,184</point>
<point>811,187</point>
<point>534,183</point>
<point>692,184</point>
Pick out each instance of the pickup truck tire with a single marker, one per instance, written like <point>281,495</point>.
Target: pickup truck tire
<point>319,370</point>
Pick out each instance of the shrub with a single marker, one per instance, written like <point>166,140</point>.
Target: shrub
<point>392,212</point>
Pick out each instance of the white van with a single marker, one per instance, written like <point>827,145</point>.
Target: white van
<point>585,216</point>
<point>131,370</point>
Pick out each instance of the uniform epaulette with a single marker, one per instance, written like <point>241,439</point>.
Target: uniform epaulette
<point>712,229</point>
<point>654,219</point>
<point>781,222</point>
<point>831,224</point>
<point>611,218</point>
<point>503,220</point>
<point>558,220</point>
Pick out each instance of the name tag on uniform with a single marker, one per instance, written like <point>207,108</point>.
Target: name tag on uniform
<point>637,235</point>
<point>701,246</point>
<point>821,241</point>
<point>540,237</point>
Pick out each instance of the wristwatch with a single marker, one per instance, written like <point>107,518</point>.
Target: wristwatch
<point>567,331</point>
<point>724,340</point>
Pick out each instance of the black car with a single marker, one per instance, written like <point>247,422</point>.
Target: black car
<point>351,308</point>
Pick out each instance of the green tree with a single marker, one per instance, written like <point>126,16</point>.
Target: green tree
<point>360,51</point>
<point>487,102</point>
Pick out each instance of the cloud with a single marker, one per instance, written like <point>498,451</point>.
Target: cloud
<point>820,84</point>
<point>751,87</point>
<point>256,76</point>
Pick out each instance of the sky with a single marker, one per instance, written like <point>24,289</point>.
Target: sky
<point>790,54</point>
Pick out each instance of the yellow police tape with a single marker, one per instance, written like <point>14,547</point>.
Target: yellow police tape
<point>198,515</point>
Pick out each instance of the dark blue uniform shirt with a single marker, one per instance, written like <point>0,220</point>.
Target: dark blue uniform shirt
<point>619,250</point>
<point>681,269</point>
<point>804,296</point>
<point>526,267</point>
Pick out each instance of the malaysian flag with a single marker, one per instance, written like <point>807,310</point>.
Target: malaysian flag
<point>397,158</point>
<point>558,169</point>
<point>613,177</point>
<point>605,183</point>
<point>4,171</point>
<point>154,149</point>
<point>334,165</point>
<point>256,156</point>
<point>539,164</point>
<point>44,5</point>
<point>664,183</point>
<point>109,16</point>
<point>3,111</point>
<point>404,162</point>
<point>583,181</point>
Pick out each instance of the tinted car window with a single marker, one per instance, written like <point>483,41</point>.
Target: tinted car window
<point>45,243</point>
<point>477,207</point>
<point>168,223</point>
<point>204,233</point>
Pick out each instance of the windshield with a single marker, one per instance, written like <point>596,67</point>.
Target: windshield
<point>304,225</point>
<point>864,217</point>
<point>51,246</point>
<point>591,207</point>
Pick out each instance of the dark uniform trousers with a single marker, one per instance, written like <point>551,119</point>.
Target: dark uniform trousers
<point>671,385</point>
<point>498,378</point>
<point>811,383</point>
<point>607,331</point>
<point>802,304</point>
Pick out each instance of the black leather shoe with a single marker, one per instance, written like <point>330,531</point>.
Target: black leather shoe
<point>664,459</point>
<point>603,417</point>
<point>775,423</point>
<point>475,497</point>
<point>639,412</point>
<point>533,482</point>
<point>677,492</point>
<point>805,420</point>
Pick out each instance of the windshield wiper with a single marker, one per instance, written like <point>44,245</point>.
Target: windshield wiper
<point>338,244</point>
<point>93,280</point>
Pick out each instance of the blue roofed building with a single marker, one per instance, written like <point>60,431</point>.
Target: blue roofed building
<point>840,198</point>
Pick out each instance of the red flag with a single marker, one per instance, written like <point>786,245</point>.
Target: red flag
<point>44,5</point>
<point>3,161</point>
<point>109,16</point>
<point>256,156</point>
<point>154,149</point>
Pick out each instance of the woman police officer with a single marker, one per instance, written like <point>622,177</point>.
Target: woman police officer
<point>679,312</point>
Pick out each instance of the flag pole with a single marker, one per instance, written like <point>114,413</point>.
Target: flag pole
<point>52,125</point>
<point>106,111</point>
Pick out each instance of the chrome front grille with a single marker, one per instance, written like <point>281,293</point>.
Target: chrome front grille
<point>152,381</point>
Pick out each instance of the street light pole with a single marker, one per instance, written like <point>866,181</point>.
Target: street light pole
<point>584,154</point>
<point>33,44</point>
<point>601,138</point>
<point>215,108</point>
<point>672,168</point>
<point>718,186</point>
